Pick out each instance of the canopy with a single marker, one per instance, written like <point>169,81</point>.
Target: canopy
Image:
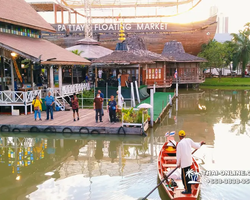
<point>90,49</point>
<point>20,13</point>
<point>33,48</point>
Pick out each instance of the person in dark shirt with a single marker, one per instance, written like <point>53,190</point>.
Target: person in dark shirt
<point>112,106</point>
<point>102,96</point>
<point>98,107</point>
<point>75,106</point>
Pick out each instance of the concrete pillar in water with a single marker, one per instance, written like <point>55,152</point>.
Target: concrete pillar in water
<point>137,92</point>
<point>177,87</point>
<point>152,109</point>
<point>132,94</point>
<point>119,97</point>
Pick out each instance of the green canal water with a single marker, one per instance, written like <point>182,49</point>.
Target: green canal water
<point>55,167</point>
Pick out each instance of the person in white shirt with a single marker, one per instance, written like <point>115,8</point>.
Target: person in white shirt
<point>184,158</point>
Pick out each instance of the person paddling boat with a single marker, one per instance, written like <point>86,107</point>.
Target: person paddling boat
<point>184,158</point>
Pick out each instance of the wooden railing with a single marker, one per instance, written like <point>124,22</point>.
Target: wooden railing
<point>8,97</point>
<point>68,90</point>
<point>190,79</point>
<point>160,83</point>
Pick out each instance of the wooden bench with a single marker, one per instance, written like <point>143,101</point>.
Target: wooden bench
<point>169,165</point>
<point>169,158</point>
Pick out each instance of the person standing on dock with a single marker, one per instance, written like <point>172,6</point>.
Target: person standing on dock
<point>37,103</point>
<point>102,96</point>
<point>98,107</point>
<point>112,107</point>
<point>75,106</point>
<point>184,158</point>
<point>49,102</point>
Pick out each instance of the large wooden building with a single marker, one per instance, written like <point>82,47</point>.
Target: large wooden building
<point>134,62</point>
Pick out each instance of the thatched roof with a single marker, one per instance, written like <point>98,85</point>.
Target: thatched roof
<point>132,51</point>
<point>121,58</point>
<point>177,52</point>
<point>137,46</point>
<point>90,49</point>
<point>20,13</point>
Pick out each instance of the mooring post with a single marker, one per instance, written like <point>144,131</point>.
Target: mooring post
<point>176,93</point>
<point>176,103</point>
<point>119,97</point>
<point>154,87</point>
<point>170,100</point>
<point>132,94</point>
<point>137,92</point>
<point>152,109</point>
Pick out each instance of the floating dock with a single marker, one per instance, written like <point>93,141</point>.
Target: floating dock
<point>63,123</point>
<point>161,103</point>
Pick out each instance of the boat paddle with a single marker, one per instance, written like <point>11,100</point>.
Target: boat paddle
<point>166,177</point>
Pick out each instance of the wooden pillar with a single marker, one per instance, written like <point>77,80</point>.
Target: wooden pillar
<point>96,76</point>
<point>55,12</point>
<point>164,72</point>
<point>77,77</point>
<point>60,76</point>
<point>31,77</point>
<point>75,18</point>
<point>51,74</point>
<point>146,74</point>
<point>72,76</point>
<point>139,75</point>
<point>69,20</point>
<point>62,15</point>
<point>2,72</point>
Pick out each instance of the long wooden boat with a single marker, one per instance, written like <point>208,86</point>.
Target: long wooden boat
<point>155,35</point>
<point>167,163</point>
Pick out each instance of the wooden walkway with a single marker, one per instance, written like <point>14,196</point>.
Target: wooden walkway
<point>62,120</point>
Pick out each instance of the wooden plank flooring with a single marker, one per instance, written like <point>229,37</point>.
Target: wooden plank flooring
<point>61,118</point>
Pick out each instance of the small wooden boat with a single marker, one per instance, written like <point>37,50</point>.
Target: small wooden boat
<point>167,163</point>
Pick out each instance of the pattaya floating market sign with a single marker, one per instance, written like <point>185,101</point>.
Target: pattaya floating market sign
<point>110,27</point>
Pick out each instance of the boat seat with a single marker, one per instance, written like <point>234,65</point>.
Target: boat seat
<point>169,158</point>
<point>169,165</point>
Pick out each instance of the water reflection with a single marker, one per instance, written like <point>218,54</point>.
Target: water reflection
<point>38,166</point>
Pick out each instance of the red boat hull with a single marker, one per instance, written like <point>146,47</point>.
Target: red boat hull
<point>167,159</point>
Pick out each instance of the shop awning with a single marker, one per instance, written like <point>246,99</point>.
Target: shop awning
<point>33,49</point>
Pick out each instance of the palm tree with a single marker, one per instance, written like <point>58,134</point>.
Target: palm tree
<point>77,52</point>
<point>242,54</point>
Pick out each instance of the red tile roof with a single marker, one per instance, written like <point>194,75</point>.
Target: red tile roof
<point>21,13</point>
<point>32,48</point>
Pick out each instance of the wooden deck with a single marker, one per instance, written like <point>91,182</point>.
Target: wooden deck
<point>63,122</point>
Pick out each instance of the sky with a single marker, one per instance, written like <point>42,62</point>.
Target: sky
<point>237,11</point>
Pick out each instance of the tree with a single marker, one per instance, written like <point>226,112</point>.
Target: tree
<point>77,52</point>
<point>218,55</point>
<point>242,42</point>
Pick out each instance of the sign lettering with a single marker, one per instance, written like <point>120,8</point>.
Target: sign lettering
<point>112,27</point>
